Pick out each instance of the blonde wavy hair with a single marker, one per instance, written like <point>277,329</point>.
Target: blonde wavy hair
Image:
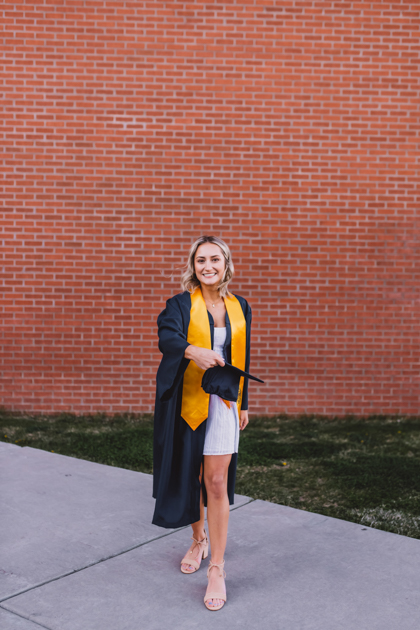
<point>189,281</point>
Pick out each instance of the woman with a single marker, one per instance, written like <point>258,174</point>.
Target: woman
<point>196,435</point>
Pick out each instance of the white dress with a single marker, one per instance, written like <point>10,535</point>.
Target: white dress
<point>222,427</point>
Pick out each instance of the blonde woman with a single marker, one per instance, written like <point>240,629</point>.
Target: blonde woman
<point>196,435</point>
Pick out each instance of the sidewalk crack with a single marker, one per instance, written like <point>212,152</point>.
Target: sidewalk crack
<point>91,564</point>
<point>13,612</point>
<point>114,555</point>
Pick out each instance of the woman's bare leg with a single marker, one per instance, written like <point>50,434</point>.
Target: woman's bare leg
<point>215,478</point>
<point>198,529</point>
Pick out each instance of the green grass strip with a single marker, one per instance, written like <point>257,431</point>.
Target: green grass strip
<point>364,470</point>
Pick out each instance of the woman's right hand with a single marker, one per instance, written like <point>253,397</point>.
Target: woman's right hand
<point>203,357</point>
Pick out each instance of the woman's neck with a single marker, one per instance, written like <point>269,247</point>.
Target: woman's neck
<point>210,294</point>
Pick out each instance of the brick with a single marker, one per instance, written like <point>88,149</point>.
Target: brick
<point>287,128</point>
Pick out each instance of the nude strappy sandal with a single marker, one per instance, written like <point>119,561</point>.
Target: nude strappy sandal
<point>214,595</point>
<point>204,552</point>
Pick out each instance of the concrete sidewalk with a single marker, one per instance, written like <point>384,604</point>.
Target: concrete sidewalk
<point>78,552</point>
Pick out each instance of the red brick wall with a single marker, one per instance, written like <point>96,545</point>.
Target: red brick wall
<point>288,128</point>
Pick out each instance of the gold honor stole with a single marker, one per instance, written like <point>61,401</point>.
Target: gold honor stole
<point>195,401</point>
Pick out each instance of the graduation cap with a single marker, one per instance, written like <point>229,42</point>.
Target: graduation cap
<point>224,381</point>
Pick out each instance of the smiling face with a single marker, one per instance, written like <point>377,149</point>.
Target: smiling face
<point>209,264</point>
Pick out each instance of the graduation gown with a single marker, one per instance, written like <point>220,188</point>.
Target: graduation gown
<point>177,449</point>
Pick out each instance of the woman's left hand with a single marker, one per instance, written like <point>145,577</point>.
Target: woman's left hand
<point>243,420</point>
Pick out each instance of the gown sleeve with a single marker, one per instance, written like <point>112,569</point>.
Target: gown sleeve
<point>248,319</point>
<point>172,344</point>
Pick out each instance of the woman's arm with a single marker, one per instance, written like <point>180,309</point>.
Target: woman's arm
<point>177,352</point>
<point>203,357</point>
<point>172,344</point>
<point>172,339</point>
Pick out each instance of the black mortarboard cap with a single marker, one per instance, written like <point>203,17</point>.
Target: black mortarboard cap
<point>223,381</point>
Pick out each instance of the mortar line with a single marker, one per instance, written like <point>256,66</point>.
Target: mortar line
<point>115,555</point>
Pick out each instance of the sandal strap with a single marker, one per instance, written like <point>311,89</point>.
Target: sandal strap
<point>220,565</point>
<point>200,542</point>
<point>187,560</point>
<point>214,595</point>
<point>191,562</point>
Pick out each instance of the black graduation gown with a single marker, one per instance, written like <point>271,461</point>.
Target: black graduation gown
<point>177,449</point>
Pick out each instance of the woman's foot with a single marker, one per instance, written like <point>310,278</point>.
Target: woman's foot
<point>216,590</point>
<point>198,550</point>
